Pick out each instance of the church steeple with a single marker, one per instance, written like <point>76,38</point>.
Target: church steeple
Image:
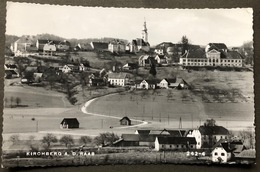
<point>145,32</point>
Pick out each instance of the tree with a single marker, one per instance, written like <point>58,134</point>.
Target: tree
<point>185,44</point>
<point>48,139</point>
<point>14,139</point>
<point>12,100</point>
<point>29,76</point>
<point>106,139</point>
<point>248,52</point>
<point>67,140</point>
<point>6,101</point>
<point>210,122</point>
<point>85,140</point>
<point>152,70</point>
<point>18,100</point>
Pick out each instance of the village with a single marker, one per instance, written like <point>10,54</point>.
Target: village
<point>90,74</point>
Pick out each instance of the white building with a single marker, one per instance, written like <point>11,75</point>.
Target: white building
<point>211,58</point>
<point>118,79</point>
<point>221,153</point>
<point>117,46</point>
<point>196,134</point>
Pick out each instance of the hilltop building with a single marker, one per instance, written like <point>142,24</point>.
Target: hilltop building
<point>140,44</point>
<point>214,55</point>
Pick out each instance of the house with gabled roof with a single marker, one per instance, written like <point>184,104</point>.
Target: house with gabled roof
<point>216,46</point>
<point>212,134</point>
<point>117,46</point>
<point>222,153</point>
<point>130,66</point>
<point>197,135</point>
<point>246,156</point>
<point>125,121</point>
<point>23,43</point>
<point>68,123</point>
<point>167,83</point>
<point>118,79</point>
<point>147,83</point>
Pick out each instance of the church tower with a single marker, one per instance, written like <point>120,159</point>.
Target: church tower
<point>144,32</point>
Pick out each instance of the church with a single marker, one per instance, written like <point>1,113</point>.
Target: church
<point>140,44</point>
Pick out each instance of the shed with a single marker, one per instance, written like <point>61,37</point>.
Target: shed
<point>125,121</point>
<point>67,123</point>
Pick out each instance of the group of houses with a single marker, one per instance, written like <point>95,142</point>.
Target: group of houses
<point>123,79</point>
<point>28,45</point>
<point>215,139</point>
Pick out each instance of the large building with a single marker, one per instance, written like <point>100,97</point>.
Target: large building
<point>140,44</point>
<point>212,56</point>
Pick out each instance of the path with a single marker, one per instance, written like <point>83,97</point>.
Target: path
<point>85,107</point>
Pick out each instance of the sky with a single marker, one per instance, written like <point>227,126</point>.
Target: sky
<point>230,26</point>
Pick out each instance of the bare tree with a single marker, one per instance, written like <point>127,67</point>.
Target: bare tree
<point>6,101</point>
<point>48,139</point>
<point>12,100</point>
<point>18,101</point>
<point>67,140</point>
<point>106,139</point>
<point>85,140</point>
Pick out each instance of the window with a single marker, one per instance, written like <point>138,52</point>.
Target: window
<point>177,146</point>
<point>216,154</point>
<point>162,146</point>
<point>222,154</point>
<point>198,143</point>
<point>221,137</point>
<point>170,146</point>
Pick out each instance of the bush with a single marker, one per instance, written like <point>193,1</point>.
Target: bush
<point>14,139</point>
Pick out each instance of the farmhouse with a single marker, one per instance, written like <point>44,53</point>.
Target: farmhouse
<point>48,49</point>
<point>175,143</point>
<point>167,83</point>
<point>222,153</point>
<point>130,66</point>
<point>10,67</point>
<point>146,84</point>
<point>97,82</point>
<point>11,74</point>
<point>67,123</point>
<point>246,156</point>
<point>23,44</point>
<point>63,45</point>
<point>162,47</point>
<point>164,132</point>
<point>146,60</point>
<point>125,121</point>
<point>210,135</point>
<point>118,79</point>
<point>83,47</point>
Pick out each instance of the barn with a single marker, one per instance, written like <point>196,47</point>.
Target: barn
<point>67,123</point>
<point>125,121</point>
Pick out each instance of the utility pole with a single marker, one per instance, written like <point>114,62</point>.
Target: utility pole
<point>168,119</point>
<point>160,117</point>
